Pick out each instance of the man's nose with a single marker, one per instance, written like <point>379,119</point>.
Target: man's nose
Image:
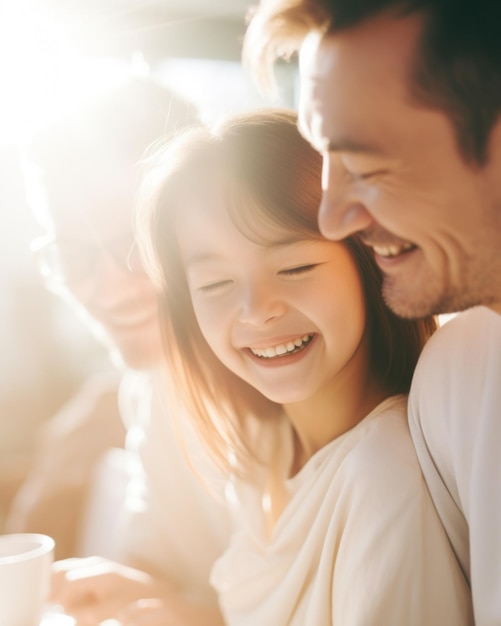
<point>341,213</point>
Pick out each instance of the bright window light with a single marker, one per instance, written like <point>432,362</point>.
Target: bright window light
<point>42,70</point>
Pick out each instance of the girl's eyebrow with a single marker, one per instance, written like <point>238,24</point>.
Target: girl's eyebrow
<point>201,257</point>
<point>270,245</point>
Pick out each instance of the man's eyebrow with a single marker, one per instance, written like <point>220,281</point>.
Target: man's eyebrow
<point>342,144</point>
<point>346,144</point>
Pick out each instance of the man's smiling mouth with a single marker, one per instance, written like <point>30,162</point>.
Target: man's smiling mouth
<point>283,349</point>
<point>393,250</point>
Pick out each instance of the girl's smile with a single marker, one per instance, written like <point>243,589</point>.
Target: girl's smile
<point>283,349</point>
<point>284,313</point>
<point>285,353</point>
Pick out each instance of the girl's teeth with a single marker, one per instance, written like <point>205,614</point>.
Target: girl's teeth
<point>281,349</point>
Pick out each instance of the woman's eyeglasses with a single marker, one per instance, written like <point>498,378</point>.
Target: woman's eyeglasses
<point>69,262</point>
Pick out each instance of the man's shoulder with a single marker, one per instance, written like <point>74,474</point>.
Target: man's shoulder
<point>454,420</point>
<point>470,324</point>
<point>458,370</point>
<point>456,343</point>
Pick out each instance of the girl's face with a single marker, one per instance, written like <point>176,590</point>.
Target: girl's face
<point>287,317</point>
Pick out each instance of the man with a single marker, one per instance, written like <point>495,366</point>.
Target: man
<point>85,172</point>
<point>403,99</point>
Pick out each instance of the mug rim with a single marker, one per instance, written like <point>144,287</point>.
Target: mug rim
<point>42,545</point>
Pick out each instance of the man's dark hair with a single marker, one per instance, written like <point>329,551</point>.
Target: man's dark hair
<point>457,68</point>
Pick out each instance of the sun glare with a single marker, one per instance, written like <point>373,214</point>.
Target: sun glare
<point>42,71</point>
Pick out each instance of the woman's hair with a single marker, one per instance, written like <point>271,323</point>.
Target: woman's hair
<point>86,151</point>
<point>261,165</point>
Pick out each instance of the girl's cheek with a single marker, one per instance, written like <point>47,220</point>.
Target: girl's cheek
<point>210,318</point>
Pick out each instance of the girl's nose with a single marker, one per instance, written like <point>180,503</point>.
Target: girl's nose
<point>261,305</point>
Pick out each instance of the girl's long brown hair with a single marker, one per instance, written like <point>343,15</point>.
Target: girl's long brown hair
<point>260,163</point>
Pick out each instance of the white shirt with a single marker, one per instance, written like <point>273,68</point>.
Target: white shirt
<point>173,523</point>
<point>455,422</point>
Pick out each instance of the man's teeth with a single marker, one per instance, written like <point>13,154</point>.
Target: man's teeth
<point>393,250</point>
<point>283,348</point>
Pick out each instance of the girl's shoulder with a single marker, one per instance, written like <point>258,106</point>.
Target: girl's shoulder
<point>381,450</point>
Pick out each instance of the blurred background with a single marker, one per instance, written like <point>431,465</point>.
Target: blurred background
<point>53,55</point>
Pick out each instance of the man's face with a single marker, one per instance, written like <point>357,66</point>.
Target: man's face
<point>394,174</point>
<point>94,240</point>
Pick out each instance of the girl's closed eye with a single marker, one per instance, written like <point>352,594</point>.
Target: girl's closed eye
<point>299,270</point>
<point>214,287</point>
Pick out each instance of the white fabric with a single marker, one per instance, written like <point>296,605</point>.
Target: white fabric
<point>359,542</point>
<point>455,421</point>
<point>173,524</point>
<point>104,508</point>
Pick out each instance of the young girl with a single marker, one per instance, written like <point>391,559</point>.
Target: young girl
<point>296,373</point>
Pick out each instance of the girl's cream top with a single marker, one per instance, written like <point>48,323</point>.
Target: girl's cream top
<point>358,544</point>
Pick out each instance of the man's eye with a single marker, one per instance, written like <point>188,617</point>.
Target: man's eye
<point>297,271</point>
<point>213,287</point>
<point>359,168</point>
<point>355,174</point>
<point>358,175</point>
<point>363,176</point>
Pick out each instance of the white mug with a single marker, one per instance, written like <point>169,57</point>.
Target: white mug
<point>25,569</point>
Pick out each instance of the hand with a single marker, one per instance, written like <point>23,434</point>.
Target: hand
<point>151,612</point>
<point>94,589</point>
<point>57,476</point>
<point>156,612</point>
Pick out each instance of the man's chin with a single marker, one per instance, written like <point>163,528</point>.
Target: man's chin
<point>410,302</point>
<point>415,303</point>
<point>424,292</point>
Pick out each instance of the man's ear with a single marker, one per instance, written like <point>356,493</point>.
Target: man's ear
<point>493,164</point>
